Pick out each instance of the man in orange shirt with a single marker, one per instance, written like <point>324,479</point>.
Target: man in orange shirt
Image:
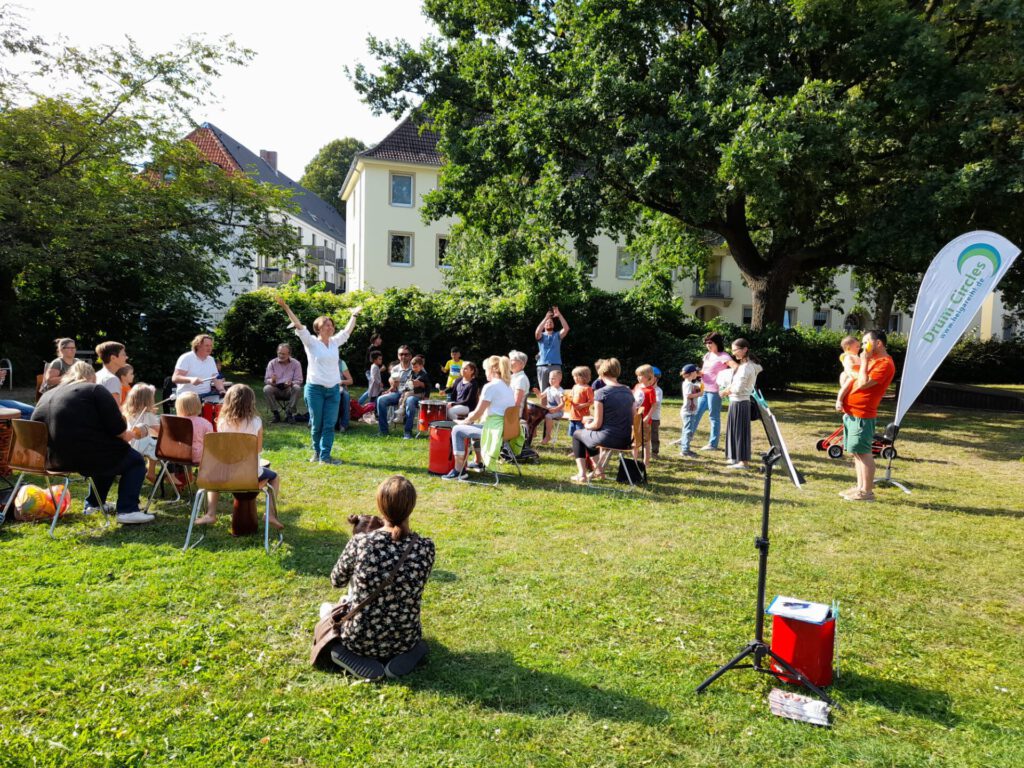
<point>860,411</point>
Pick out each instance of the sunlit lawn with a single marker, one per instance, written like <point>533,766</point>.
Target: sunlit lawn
<point>567,626</point>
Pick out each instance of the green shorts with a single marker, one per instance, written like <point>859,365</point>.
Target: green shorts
<point>858,434</point>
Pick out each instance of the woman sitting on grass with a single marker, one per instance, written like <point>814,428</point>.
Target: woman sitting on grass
<point>238,414</point>
<point>385,637</point>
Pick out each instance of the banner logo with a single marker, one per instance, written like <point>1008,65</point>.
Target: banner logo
<point>959,300</point>
<point>979,249</point>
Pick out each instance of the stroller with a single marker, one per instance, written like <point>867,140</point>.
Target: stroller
<point>833,446</point>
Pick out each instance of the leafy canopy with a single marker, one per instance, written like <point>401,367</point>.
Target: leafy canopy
<point>806,133</point>
<point>326,172</point>
<point>105,213</point>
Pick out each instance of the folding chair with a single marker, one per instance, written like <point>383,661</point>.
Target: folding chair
<point>637,446</point>
<point>510,431</point>
<point>230,465</point>
<point>28,457</point>
<point>173,445</point>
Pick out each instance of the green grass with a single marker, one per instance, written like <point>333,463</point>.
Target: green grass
<point>567,627</point>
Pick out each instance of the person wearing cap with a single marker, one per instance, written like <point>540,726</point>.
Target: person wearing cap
<point>690,375</point>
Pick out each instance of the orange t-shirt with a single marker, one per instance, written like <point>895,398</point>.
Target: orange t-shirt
<point>582,399</point>
<point>863,403</point>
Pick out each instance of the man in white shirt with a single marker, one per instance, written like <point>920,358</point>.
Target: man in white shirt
<point>401,376</point>
<point>114,357</point>
<point>196,371</point>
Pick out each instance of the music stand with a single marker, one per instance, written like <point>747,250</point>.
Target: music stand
<point>757,647</point>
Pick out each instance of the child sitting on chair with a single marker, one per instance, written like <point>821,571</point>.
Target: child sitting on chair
<point>552,400</point>
<point>189,406</point>
<point>139,411</point>
<point>238,414</point>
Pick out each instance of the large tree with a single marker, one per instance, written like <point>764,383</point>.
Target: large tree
<point>105,213</point>
<point>805,133</point>
<point>325,173</point>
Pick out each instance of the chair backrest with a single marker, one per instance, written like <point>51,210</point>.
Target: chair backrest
<point>638,426</point>
<point>39,386</point>
<point>28,452</point>
<point>511,423</point>
<point>230,462</point>
<point>174,441</point>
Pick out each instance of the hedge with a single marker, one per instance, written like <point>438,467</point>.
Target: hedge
<point>602,325</point>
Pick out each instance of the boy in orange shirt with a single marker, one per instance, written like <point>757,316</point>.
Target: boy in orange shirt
<point>581,398</point>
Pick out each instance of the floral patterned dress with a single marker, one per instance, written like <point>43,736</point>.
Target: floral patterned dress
<point>391,623</point>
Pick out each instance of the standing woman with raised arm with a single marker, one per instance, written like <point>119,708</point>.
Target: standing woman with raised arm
<point>550,343</point>
<point>323,377</point>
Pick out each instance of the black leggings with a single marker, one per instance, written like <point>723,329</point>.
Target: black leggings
<point>585,442</point>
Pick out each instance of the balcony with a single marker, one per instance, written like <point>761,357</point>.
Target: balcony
<point>713,289</point>
<point>268,276</point>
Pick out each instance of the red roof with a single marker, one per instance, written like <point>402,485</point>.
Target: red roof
<point>208,143</point>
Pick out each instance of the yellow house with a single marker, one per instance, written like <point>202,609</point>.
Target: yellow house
<point>390,246</point>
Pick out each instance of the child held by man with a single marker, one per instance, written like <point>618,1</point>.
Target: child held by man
<point>850,360</point>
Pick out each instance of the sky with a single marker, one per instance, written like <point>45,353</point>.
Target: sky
<point>294,97</point>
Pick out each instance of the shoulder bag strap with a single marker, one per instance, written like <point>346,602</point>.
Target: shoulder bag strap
<point>380,587</point>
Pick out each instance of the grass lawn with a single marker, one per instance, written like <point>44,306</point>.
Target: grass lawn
<point>566,626</point>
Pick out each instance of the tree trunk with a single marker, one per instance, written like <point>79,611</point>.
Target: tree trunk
<point>884,298</point>
<point>768,294</point>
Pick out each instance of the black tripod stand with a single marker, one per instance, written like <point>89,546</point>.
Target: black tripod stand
<point>758,648</point>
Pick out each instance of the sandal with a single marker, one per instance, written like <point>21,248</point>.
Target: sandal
<point>578,480</point>
<point>597,474</point>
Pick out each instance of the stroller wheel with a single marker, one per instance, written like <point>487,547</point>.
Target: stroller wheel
<point>820,445</point>
<point>889,452</point>
<point>835,451</point>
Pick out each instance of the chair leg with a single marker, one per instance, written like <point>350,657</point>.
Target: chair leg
<point>268,492</point>
<point>197,502</point>
<point>10,499</point>
<point>90,485</point>
<point>157,483</point>
<point>56,506</point>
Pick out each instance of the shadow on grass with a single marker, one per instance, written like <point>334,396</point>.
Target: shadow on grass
<point>494,679</point>
<point>307,551</point>
<point>901,697</point>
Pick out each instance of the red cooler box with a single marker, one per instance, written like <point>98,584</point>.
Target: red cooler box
<point>804,634</point>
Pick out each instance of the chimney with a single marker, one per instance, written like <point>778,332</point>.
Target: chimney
<point>270,158</point>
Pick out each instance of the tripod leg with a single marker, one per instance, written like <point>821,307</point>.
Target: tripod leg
<point>727,666</point>
<point>794,672</point>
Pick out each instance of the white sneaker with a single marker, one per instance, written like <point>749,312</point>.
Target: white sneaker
<point>737,465</point>
<point>132,518</point>
<point>708,447</point>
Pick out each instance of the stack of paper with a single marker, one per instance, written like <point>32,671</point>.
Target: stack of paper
<point>798,707</point>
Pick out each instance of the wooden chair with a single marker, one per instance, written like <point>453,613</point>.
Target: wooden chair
<point>636,447</point>
<point>28,457</point>
<point>230,465</point>
<point>173,445</point>
<point>510,431</point>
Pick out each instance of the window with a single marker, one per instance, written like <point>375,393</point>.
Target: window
<point>748,314</point>
<point>399,249</point>
<point>822,318</point>
<point>401,189</point>
<point>579,260</point>
<point>442,252</point>
<point>625,264</point>
<point>895,323</point>
<point>789,317</point>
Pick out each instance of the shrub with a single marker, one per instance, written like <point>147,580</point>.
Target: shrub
<point>602,325</point>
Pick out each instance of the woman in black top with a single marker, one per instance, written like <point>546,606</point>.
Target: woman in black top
<point>610,426</point>
<point>88,435</point>
<point>385,637</point>
<point>465,393</point>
